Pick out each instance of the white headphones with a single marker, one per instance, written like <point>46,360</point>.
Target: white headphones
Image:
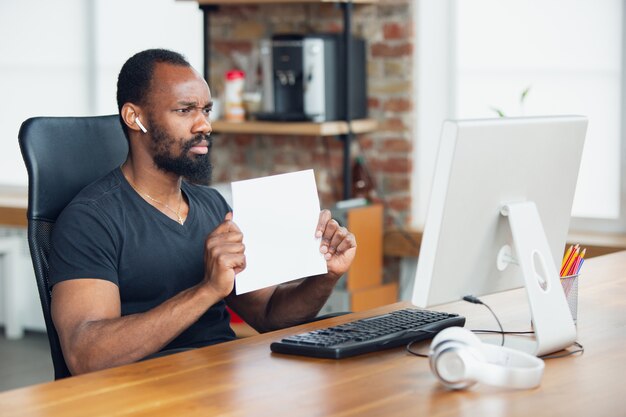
<point>141,126</point>
<point>459,359</point>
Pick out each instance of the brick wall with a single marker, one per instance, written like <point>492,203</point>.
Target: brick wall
<point>388,28</point>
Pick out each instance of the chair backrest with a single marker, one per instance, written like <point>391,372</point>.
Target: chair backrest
<point>62,156</point>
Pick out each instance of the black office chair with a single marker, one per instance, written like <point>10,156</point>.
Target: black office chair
<point>62,156</point>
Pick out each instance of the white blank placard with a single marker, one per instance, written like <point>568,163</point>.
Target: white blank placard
<point>278,217</point>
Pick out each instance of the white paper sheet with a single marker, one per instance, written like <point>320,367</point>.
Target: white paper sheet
<point>278,217</point>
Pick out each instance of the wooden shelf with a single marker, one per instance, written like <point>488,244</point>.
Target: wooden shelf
<point>404,244</point>
<point>295,128</point>
<point>345,129</point>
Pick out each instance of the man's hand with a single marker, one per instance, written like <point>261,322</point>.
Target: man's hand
<point>338,244</point>
<point>223,257</point>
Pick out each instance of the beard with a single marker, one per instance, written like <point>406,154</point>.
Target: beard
<point>196,169</point>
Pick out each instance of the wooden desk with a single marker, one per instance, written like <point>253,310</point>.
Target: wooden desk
<point>242,378</point>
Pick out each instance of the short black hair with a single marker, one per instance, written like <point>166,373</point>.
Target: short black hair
<point>133,82</point>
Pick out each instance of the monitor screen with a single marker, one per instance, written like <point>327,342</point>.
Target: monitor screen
<point>482,165</point>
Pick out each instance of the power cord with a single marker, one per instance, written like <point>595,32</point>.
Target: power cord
<point>474,300</point>
<point>414,352</point>
<point>481,331</point>
<point>580,350</point>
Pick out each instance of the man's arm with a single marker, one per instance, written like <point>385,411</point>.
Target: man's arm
<point>293,303</point>
<point>94,335</point>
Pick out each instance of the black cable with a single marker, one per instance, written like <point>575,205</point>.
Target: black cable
<point>413,352</point>
<point>475,300</point>
<point>499,324</point>
<point>481,331</point>
<point>580,350</point>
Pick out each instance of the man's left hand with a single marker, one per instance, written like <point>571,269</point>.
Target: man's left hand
<point>338,244</point>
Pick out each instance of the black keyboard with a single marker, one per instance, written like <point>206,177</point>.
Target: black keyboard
<point>368,335</point>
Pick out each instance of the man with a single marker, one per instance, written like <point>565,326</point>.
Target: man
<point>143,261</point>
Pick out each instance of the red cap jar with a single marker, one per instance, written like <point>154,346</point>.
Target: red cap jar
<point>233,101</point>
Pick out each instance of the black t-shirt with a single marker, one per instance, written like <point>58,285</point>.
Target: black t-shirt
<point>110,232</point>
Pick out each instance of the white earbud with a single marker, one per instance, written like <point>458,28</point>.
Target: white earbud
<point>141,126</point>
<point>459,359</point>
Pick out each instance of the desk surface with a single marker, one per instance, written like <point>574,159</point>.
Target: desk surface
<point>243,378</point>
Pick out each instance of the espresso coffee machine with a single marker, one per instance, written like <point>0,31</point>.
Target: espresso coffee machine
<point>304,78</point>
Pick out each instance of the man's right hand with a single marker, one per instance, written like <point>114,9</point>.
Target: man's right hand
<point>223,257</point>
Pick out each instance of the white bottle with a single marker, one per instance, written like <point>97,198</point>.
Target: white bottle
<point>233,100</point>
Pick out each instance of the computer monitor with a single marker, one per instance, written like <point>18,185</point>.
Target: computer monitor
<point>499,214</point>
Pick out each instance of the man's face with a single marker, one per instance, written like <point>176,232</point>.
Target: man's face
<point>179,105</point>
<point>171,154</point>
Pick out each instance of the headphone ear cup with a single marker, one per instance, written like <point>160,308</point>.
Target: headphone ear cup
<point>455,356</point>
<point>455,364</point>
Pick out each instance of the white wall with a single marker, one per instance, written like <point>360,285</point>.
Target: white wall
<point>474,55</point>
<point>434,93</point>
<point>124,27</point>
<point>569,54</point>
<point>61,58</point>
<point>42,70</point>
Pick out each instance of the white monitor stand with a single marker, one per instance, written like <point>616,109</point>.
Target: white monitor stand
<point>552,320</point>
